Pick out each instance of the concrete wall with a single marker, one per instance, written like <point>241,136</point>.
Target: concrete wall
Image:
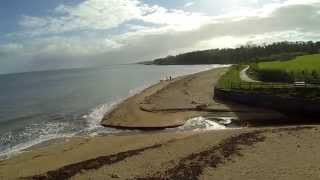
<point>285,105</point>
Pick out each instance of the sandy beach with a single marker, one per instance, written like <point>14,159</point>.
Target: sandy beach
<point>166,104</point>
<point>265,153</point>
<point>172,103</point>
<point>273,152</point>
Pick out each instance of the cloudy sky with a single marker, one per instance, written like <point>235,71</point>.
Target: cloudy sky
<point>55,34</point>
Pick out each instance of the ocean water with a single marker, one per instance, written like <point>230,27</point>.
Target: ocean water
<point>40,106</point>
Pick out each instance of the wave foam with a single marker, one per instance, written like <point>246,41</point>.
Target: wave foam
<point>39,133</point>
<point>45,133</point>
<point>94,118</point>
<point>201,123</point>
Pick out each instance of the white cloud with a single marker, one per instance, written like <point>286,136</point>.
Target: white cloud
<point>71,46</point>
<point>180,19</point>
<point>189,4</point>
<point>292,22</point>
<point>88,15</point>
<point>158,31</point>
<point>10,47</point>
<point>106,14</point>
<point>32,22</point>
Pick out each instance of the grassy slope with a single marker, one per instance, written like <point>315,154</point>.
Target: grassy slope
<point>306,63</point>
<point>231,81</point>
<point>303,68</point>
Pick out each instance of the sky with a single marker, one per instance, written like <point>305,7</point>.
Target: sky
<point>57,34</point>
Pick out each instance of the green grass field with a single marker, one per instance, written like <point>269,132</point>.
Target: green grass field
<point>231,77</point>
<point>302,68</point>
<point>277,78</point>
<point>301,63</point>
<point>231,81</point>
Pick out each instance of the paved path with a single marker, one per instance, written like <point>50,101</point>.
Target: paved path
<point>245,77</point>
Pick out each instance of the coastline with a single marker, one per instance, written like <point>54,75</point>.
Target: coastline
<point>245,153</point>
<point>60,125</point>
<point>169,104</point>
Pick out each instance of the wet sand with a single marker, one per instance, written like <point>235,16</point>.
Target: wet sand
<point>283,152</point>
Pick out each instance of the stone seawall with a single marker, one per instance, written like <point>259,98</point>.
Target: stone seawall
<point>285,105</point>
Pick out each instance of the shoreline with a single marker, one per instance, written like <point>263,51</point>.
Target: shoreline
<point>20,148</point>
<point>131,113</point>
<point>170,104</point>
<point>262,152</point>
<point>134,103</point>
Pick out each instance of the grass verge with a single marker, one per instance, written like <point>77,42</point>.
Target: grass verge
<point>231,81</point>
<point>303,68</point>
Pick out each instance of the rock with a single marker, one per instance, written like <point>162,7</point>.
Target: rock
<point>193,102</point>
<point>201,106</point>
<point>115,176</point>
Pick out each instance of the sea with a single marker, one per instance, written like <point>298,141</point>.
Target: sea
<point>36,107</point>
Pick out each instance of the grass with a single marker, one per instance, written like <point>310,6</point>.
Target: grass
<point>303,68</point>
<point>231,78</point>
<point>301,63</point>
<point>231,81</point>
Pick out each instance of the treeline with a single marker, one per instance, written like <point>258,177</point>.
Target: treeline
<point>243,54</point>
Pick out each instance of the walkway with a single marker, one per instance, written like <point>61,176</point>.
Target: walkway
<point>245,77</point>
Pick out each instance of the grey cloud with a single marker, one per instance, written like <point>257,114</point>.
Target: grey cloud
<point>300,18</point>
<point>303,18</point>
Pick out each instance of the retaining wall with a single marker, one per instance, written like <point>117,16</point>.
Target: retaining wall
<point>285,105</point>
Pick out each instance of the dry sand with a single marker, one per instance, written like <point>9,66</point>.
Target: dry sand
<point>247,153</point>
<point>268,153</point>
